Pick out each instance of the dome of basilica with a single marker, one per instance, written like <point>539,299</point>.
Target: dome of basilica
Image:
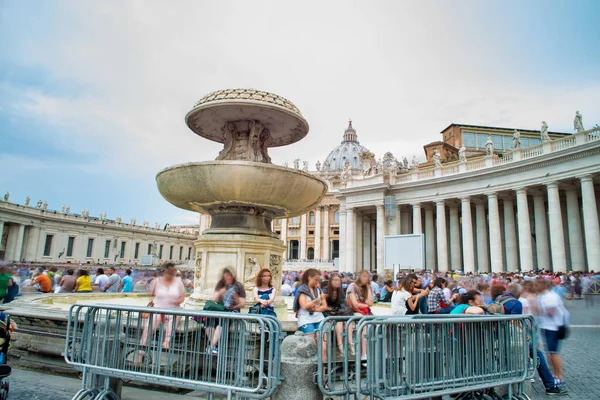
<point>349,149</point>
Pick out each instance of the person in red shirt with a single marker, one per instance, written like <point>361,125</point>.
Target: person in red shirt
<point>43,280</point>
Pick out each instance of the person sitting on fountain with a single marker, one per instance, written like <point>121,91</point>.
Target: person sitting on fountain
<point>83,284</point>
<point>232,295</point>
<point>264,292</point>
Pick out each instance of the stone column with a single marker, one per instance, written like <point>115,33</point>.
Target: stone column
<point>350,239</point>
<point>358,252</point>
<point>380,238</point>
<point>510,235</point>
<point>525,246</point>
<point>442,238</point>
<point>495,236</point>
<point>326,233</point>
<point>302,255</point>
<point>398,219</point>
<point>455,248</point>
<point>467,235</point>
<point>557,238</point>
<point>31,247</point>
<point>429,240</point>
<point>575,236</point>
<point>19,244</point>
<point>483,258</point>
<point>590,221</point>
<point>284,231</point>
<point>318,234</point>
<point>541,232</point>
<point>417,226</point>
<point>1,230</point>
<point>342,242</point>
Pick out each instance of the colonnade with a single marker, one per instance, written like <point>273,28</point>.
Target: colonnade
<point>322,228</point>
<point>539,227</point>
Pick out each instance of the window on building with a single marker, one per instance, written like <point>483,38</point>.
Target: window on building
<point>160,250</point>
<point>311,232</point>
<point>469,139</point>
<point>277,222</point>
<point>294,252</point>
<point>90,247</point>
<point>295,220</point>
<point>180,252</point>
<point>149,249</point>
<point>70,245</point>
<point>107,249</point>
<point>171,252</point>
<point>122,252</point>
<point>48,245</point>
<point>310,253</point>
<point>189,253</point>
<point>336,217</point>
<point>311,218</point>
<point>335,249</point>
<point>136,252</point>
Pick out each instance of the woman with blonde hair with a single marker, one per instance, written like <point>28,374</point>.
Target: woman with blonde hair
<point>264,292</point>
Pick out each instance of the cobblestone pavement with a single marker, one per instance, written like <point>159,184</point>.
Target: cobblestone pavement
<point>580,353</point>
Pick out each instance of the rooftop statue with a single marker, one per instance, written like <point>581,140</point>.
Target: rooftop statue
<point>305,166</point>
<point>544,132</point>
<point>45,206</point>
<point>516,139</point>
<point>578,122</point>
<point>297,163</point>
<point>436,159</point>
<point>38,204</point>
<point>347,172</point>
<point>415,162</point>
<point>318,165</point>
<point>462,154</point>
<point>7,196</point>
<point>405,162</point>
<point>27,200</point>
<point>489,146</point>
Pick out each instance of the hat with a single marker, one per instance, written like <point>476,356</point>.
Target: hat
<point>462,291</point>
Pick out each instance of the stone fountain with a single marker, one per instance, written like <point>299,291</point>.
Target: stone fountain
<point>241,190</point>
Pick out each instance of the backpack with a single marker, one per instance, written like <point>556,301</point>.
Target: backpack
<point>497,306</point>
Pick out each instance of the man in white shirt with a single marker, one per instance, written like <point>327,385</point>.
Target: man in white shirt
<point>114,281</point>
<point>101,279</point>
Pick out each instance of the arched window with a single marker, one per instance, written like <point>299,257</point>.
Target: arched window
<point>336,217</point>
<point>311,218</point>
<point>311,253</point>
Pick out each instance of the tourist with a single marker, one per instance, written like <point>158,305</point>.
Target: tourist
<point>336,306</point>
<point>114,281</point>
<point>67,282</point>
<point>286,289</point>
<point>232,295</point>
<point>6,284</point>
<point>470,302</point>
<point>577,285</point>
<point>359,298</point>
<point>375,288</point>
<point>484,289</point>
<point>168,292</point>
<point>100,279</point>
<point>264,292</point>
<point>436,301</point>
<point>83,284</point>
<point>310,302</point>
<point>127,282</point>
<point>43,281</point>
<point>551,316</point>
<point>401,296</point>
<point>387,292</point>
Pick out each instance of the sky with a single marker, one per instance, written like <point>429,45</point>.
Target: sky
<point>93,94</point>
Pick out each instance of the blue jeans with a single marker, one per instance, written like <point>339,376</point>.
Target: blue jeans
<point>542,368</point>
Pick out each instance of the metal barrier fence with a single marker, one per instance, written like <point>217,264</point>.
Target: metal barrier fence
<point>218,353</point>
<point>423,356</point>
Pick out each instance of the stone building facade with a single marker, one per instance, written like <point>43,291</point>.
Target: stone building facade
<point>36,234</point>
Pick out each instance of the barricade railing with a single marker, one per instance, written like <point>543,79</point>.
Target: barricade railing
<point>415,357</point>
<point>230,354</point>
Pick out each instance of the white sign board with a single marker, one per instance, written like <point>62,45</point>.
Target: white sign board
<point>146,260</point>
<point>404,252</point>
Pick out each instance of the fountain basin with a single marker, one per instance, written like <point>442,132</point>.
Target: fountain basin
<point>206,186</point>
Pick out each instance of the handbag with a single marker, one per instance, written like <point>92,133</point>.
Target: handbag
<point>146,315</point>
<point>214,306</point>
<point>363,311</point>
<point>255,309</point>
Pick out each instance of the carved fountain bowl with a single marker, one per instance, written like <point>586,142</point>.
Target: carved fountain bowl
<point>204,186</point>
<point>280,116</point>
